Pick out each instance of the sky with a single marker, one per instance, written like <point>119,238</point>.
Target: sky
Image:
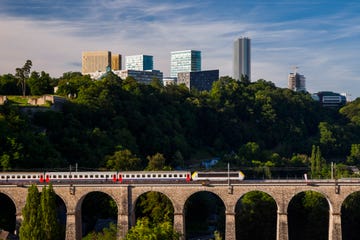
<point>319,37</point>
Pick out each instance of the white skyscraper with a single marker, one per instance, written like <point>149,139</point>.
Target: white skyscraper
<point>242,58</point>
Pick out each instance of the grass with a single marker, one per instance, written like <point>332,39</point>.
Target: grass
<point>23,101</point>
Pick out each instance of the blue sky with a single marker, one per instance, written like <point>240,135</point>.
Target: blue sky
<point>320,37</point>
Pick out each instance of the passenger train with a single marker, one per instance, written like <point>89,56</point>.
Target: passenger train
<point>117,177</point>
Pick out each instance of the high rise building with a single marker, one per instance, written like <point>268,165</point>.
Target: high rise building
<point>296,82</point>
<point>98,61</point>
<point>116,62</point>
<point>242,58</point>
<point>139,62</point>
<point>185,61</point>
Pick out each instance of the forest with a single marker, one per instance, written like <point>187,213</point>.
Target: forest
<point>120,124</point>
<point>116,123</point>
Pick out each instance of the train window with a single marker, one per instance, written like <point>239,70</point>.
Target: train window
<point>75,176</point>
<point>28,176</point>
<point>154,175</point>
<point>2,177</point>
<point>170,175</point>
<point>59,176</point>
<point>101,176</point>
<point>65,176</point>
<point>132,175</point>
<point>143,176</point>
<point>80,176</point>
<point>34,176</point>
<point>175,175</point>
<point>138,175</point>
<point>181,175</point>
<point>149,175</point>
<point>54,176</point>
<point>96,176</point>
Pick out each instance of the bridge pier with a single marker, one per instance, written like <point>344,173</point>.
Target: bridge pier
<point>122,225</point>
<point>179,224</point>
<point>335,226</point>
<point>230,226</point>
<point>282,226</point>
<point>73,226</point>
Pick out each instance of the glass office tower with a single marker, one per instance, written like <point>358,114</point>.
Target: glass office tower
<point>185,61</point>
<point>139,62</point>
<point>242,58</point>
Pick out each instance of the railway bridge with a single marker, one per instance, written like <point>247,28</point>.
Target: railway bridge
<point>125,196</point>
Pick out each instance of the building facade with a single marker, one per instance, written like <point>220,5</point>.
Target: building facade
<point>140,76</point>
<point>98,61</point>
<point>116,62</point>
<point>242,58</point>
<point>201,80</point>
<point>296,82</point>
<point>185,61</point>
<point>139,62</point>
<point>330,99</point>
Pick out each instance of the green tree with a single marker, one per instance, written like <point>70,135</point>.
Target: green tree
<point>354,157</point>
<point>31,227</point>
<point>123,160</point>
<point>156,162</point>
<point>22,74</point>
<point>145,230</point>
<point>40,84</point>
<point>106,234</point>
<point>49,221</point>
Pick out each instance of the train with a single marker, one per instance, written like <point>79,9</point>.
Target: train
<point>117,176</point>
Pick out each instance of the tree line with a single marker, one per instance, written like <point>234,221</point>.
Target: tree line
<point>120,123</point>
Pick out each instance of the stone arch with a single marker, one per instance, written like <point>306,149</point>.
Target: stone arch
<point>261,214</point>
<point>154,194</point>
<point>305,220</point>
<point>350,216</point>
<point>210,215</point>
<point>80,204</point>
<point>165,193</point>
<point>7,210</point>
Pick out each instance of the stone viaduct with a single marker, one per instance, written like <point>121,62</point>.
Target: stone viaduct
<point>125,195</point>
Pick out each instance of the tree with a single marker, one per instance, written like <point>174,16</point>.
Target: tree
<point>156,162</point>
<point>40,217</point>
<point>22,74</point>
<point>106,234</point>
<point>123,160</point>
<point>354,158</point>
<point>31,227</point>
<point>39,84</point>
<point>144,230</point>
<point>49,222</point>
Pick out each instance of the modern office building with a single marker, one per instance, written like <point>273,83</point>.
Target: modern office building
<point>139,62</point>
<point>185,61</point>
<point>141,76</point>
<point>242,58</point>
<point>296,82</point>
<point>330,99</point>
<point>115,62</point>
<point>169,81</point>
<point>98,61</point>
<point>201,80</point>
